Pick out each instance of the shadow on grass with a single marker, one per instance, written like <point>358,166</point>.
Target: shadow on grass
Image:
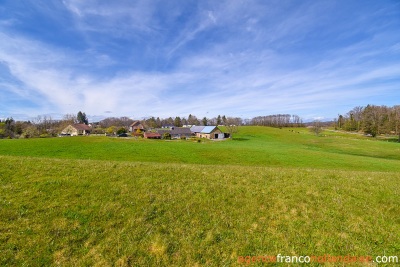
<point>392,140</point>
<point>240,139</point>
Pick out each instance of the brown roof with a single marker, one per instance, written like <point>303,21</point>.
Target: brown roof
<point>135,123</point>
<point>176,130</point>
<point>151,134</point>
<point>180,131</point>
<point>81,126</point>
<point>162,131</point>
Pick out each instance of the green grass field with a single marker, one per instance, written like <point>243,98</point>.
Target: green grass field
<point>124,202</point>
<point>253,146</point>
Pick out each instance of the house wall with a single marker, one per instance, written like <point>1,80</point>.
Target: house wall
<point>216,131</point>
<point>74,132</point>
<point>134,128</point>
<point>209,135</point>
<point>70,130</point>
<point>203,135</point>
<point>178,136</point>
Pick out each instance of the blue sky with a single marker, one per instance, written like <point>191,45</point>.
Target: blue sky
<point>171,58</point>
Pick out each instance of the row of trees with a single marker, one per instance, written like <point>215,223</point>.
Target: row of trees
<point>371,119</point>
<point>190,120</point>
<point>231,123</point>
<point>277,120</point>
<point>44,126</point>
<point>41,126</point>
<point>114,121</point>
<point>9,128</point>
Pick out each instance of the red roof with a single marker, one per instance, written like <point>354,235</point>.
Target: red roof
<point>136,123</point>
<point>151,134</point>
<point>81,126</point>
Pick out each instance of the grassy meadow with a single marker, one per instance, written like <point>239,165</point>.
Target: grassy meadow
<point>86,201</point>
<point>253,146</point>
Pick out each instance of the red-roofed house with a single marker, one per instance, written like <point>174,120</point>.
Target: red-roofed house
<point>136,125</point>
<point>77,129</point>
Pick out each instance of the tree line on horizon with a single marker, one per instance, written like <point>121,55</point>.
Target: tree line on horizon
<point>46,126</point>
<point>371,119</point>
<point>41,126</point>
<point>277,120</point>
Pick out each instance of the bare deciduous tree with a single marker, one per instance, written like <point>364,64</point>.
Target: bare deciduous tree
<point>316,127</point>
<point>397,120</point>
<point>232,125</point>
<point>278,120</point>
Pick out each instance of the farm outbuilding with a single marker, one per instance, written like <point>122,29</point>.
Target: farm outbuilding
<point>176,132</point>
<point>180,133</point>
<point>209,132</point>
<point>152,135</point>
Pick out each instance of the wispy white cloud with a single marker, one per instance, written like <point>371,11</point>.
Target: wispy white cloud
<point>155,93</point>
<point>111,17</point>
<point>201,23</point>
<point>229,58</point>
